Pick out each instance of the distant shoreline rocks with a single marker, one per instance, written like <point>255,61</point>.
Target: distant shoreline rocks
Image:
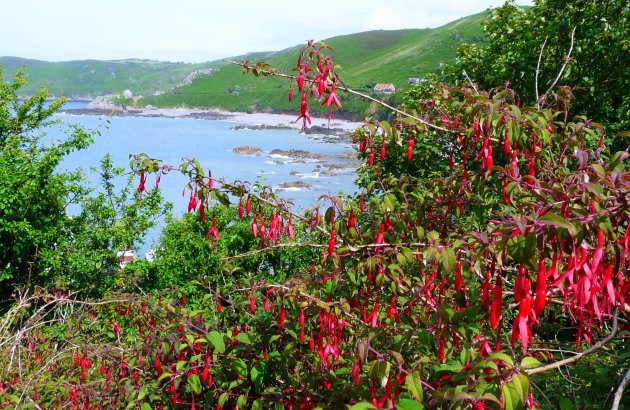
<point>247,150</point>
<point>293,186</point>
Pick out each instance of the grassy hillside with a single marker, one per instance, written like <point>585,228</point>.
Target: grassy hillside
<point>383,56</point>
<point>89,78</point>
<point>365,58</point>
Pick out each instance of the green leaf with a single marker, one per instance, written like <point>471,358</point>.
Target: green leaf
<point>518,388</point>
<point>146,406</point>
<point>565,404</point>
<point>389,200</point>
<point>180,365</point>
<point>448,259</point>
<point>522,249</point>
<point>142,393</point>
<point>241,403</point>
<point>240,367</point>
<point>556,220</point>
<point>502,356</point>
<point>408,404</point>
<point>216,339</point>
<point>362,406</point>
<point>530,363</point>
<point>508,404</point>
<point>195,383</point>
<point>221,197</point>
<point>243,338</point>
<point>223,398</point>
<point>380,371</point>
<point>414,384</point>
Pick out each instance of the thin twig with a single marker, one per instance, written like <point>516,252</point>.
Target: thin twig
<point>564,65</point>
<point>538,70</point>
<point>620,389</point>
<point>578,356</point>
<point>474,87</point>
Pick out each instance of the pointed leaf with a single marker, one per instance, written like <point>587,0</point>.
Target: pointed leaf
<point>195,383</point>
<point>216,339</point>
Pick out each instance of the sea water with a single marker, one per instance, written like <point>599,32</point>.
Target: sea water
<point>211,142</point>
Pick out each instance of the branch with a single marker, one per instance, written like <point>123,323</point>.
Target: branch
<point>538,70</point>
<point>578,356</point>
<point>277,246</point>
<point>564,65</point>
<point>470,82</point>
<point>349,91</point>
<point>620,389</point>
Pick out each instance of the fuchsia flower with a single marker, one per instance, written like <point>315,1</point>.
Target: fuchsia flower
<point>300,80</point>
<point>304,115</point>
<point>290,227</point>
<point>410,147</point>
<point>332,98</point>
<point>213,232</point>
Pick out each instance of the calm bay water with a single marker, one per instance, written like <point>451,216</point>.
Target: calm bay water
<point>212,144</point>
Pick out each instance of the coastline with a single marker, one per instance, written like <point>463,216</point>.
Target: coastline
<point>256,120</point>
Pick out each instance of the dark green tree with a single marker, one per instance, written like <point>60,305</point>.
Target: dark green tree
<point>41,243</point>
<point>581,44</point>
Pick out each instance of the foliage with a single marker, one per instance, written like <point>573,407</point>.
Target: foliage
<point>110,219</point>
<point>41,242</point>
<point>597,70</point>
<point>430,290</point>
<point>33,198</point>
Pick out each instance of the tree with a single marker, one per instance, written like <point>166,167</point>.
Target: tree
<point>33,198</point>
<point>40,242</point>
<point>529,48</point>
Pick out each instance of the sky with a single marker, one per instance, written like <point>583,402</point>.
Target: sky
<point>203,30</point>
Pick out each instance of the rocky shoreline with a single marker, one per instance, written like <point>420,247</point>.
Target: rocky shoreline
<point>340,129</point>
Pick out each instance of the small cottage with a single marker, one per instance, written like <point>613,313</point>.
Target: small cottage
<point>383,88</point>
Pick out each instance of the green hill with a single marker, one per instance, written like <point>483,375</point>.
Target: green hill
<point>90,78</point>
<point>383,56</point>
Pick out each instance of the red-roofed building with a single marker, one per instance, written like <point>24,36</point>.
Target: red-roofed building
<point>382,88</point>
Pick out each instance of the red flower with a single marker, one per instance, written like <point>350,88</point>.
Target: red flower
<point>300,80</point>
<point>332,98</point>
<point>412,143</point>
<point>304,115</point>
<point>157,365</point>
<point>290,227</point>
<point>213,232</point>
<point>331,243</point>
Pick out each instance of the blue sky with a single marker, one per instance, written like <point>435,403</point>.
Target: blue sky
<point>198,30</point>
